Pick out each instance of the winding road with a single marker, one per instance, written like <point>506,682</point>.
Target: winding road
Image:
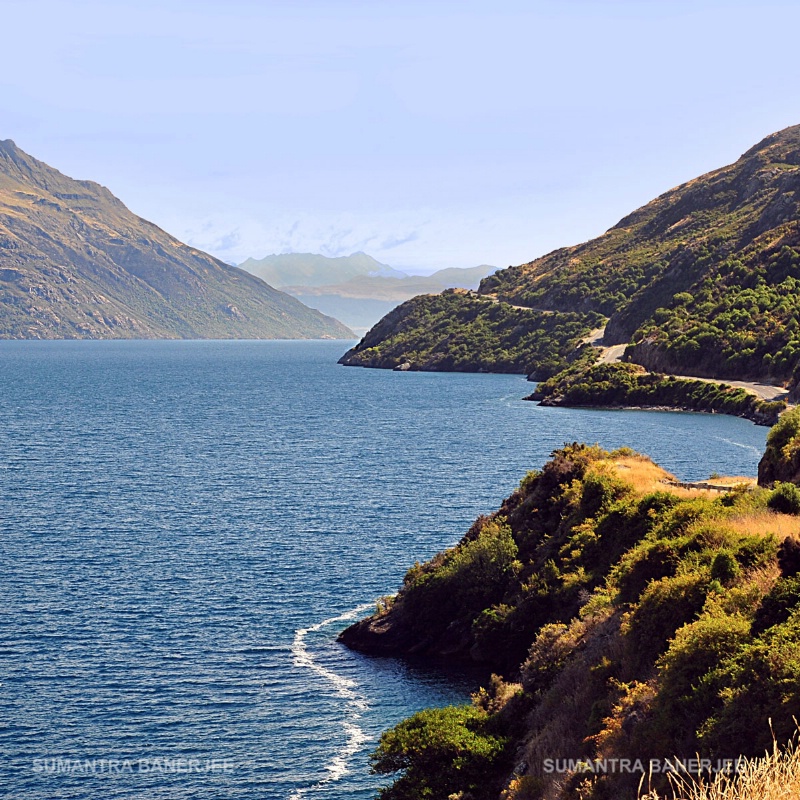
<point>608,355</point>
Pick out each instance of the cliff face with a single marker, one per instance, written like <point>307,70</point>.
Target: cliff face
<point>704,280</point>
<point>76,263</point>
<point>629,617</point>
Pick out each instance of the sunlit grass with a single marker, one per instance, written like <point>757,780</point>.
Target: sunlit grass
<point>644,476</point>
<point>774,777</point>
<point>764,523</point>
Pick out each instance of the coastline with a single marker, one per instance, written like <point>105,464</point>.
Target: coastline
<point>622,385</point>
<point>597,569</point>
<point>767,420</point>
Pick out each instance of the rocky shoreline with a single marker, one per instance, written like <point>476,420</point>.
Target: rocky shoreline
<point>759,418</point>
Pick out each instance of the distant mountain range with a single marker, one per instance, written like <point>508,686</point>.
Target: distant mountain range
<point>356,289</point>
<point>75,263</point>
<point>311,269</point>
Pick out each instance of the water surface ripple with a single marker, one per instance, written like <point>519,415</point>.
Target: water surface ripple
<point>185,526</point>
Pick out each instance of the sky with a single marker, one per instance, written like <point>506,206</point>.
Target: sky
<point>427,134</point>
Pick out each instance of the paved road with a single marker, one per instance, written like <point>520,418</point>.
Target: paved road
<point>607,354</point>
<point>614,353</point>
<point>765,391</point>
<point>611,354</point>
<point>495,299</point>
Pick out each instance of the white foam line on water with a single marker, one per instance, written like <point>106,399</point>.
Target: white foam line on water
<point>346,689</point>
<point>743,446</point>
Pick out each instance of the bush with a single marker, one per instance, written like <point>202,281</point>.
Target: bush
<point>789,557</point>
<point>462,582</point>
<point>785,499</point>
<point>685,699</point>
<point>725,568</point>
<point>781,459</point>
<point>664,607</point>
<point>778,605</point>
<point>651,563</point>
<point>442,752</point>
<point>759,688</point>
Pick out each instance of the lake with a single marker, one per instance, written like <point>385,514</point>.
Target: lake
<point>186,526</point>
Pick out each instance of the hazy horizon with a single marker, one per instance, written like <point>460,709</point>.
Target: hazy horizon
<point>428,135</point>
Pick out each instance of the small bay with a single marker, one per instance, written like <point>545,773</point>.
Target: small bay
<point>185,526</point>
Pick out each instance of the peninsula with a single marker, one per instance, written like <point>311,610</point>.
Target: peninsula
<point>702,282</point>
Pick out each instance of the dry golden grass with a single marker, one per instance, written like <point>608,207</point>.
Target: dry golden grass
<point>774,777</point>
<point>645,476</point>
<point>640,472</point>
<point>763,523</point>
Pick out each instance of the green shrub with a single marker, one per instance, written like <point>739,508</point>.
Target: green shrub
<point>785,499</point>
<point>648,563</point>
<point>599,491</point>
<point>665,606</point>
<point>685,697</point>
<point>778,605</point>
<point>463,581</point>
<point>759,690</point>
<point>443,752</point>
<point>781,459</point>
<point>725,568</point>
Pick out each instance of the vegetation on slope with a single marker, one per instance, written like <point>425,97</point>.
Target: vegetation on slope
<point>458,331</point>
<point>622,385</point>
<point>781,459</point>
<point>628,618</point>
<point>704,280</point>
<point>742,319</point>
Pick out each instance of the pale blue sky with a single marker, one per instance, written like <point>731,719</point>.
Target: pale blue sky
<point>429,135</point>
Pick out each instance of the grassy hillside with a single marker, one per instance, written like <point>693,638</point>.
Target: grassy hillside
<point>76,263</point>
<point>702,281</point>
<point>626,617</point>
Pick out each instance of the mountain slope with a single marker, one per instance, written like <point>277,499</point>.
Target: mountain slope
<point>76,263</point>
<point>704,280</point>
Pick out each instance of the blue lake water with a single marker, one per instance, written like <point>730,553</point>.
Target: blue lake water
<point>185,526</point>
